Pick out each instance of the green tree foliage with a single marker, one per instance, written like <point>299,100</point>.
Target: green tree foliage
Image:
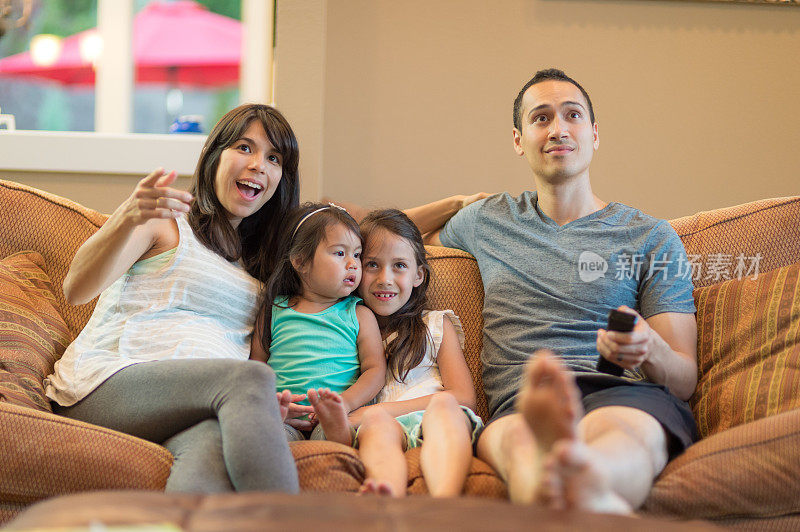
<point>65,17</point>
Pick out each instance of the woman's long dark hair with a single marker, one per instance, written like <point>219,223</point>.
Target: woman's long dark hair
<point>255,240</point>
<point>407,350</point>
<point>299,240</point>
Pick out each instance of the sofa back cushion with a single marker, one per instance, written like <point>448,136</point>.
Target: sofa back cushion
<point>748,349</point>
<point>456,285</point>
<point>55,228</point>
<point>33,334</point>
<point>767,229</point>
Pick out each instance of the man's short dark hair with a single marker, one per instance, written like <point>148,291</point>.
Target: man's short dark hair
<point>547,75</point>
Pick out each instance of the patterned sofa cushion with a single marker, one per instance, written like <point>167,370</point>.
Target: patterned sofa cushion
<point>456,285</point>
<point>54,227</point>
<point>747,477</point>
<point>33,333</point>
<point>748,349</point>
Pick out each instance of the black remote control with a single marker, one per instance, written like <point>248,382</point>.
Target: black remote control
<point>621,322</point>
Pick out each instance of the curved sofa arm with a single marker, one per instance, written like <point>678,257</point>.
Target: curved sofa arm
<point>42,454</point>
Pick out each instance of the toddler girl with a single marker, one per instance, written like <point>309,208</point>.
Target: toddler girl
<point>318,335</point>
<point>428,391</point>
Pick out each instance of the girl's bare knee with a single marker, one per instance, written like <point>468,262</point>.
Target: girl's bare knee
<point>443,401</point>
<point>376,418</point>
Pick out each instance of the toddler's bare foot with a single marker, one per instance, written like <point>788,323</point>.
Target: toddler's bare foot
<point>331,413</point>
<point>284,398</point>
<point>374,487</point>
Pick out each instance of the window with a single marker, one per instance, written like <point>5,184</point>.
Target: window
<point>185,53</point>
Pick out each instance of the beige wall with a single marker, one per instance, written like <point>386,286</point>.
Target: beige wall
<point>697,103</point>
<point>398,103</point>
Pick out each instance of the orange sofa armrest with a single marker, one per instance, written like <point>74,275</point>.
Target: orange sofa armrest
<point>43,454</point>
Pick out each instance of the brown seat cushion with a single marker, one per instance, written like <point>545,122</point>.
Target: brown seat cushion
<point>748,349</point>
<point>481,480</point>
<point>327,466</point>
<point>33,334</point>
<point>42,454</point>
<point>319,511</point>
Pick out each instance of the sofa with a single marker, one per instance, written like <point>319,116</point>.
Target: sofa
<point>744,472</point>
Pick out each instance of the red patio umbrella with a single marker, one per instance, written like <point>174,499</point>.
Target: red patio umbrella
<point>177,43</point>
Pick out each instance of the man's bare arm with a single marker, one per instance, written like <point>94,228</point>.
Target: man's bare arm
<point>664,346</point>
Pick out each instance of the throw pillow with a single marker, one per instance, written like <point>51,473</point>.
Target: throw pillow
<point>748,349</point>
<point>32,333</point>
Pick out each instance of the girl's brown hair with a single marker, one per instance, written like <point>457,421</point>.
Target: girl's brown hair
<point>407,350</point>
<point>255,241</point>
<point>301,235</point>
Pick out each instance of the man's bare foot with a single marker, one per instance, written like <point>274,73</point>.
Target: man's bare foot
<point>374,487</point>
<point>331,413</point>
<point>584,484</point>
<point>549,400</point>
<point>284,398</point>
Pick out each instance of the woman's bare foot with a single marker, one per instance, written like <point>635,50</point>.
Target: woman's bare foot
<point>331,413</point>
<point>284,398</point>
<point>374,487</point>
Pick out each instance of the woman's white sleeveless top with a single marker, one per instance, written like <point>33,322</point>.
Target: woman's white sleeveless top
<point>192,304</point>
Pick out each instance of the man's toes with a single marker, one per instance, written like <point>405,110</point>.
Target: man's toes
<point>385,489</point>
<point>571,458</point>
<point>368,486</point>
<point>550,491</point>
<point>539,366</point>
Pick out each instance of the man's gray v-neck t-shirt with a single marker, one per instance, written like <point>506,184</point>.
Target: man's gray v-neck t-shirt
<point>551,286</point>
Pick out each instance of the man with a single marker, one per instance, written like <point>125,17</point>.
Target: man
<point>561,433</point>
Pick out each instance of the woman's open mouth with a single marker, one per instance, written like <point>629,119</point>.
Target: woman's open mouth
<point>249,189</point>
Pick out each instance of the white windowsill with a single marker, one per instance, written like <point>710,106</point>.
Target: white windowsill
<point>98,153</point>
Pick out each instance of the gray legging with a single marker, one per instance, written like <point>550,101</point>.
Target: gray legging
<point>194,406</point>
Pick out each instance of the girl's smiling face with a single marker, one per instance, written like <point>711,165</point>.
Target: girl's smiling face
<point>390,273</point>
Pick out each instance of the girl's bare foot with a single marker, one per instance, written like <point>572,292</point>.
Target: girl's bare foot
<point>374,487</point>
<point>330,410</point>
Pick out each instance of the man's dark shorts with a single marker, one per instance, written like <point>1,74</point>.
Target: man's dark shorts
<point>600,390</point>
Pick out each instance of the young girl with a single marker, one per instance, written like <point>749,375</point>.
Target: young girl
<point>318,335</point>
<point>428,394</point>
